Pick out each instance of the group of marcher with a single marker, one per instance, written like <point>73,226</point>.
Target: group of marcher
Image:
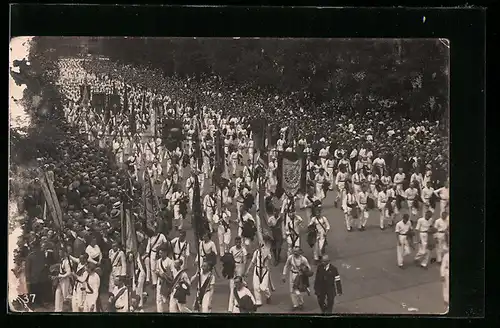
<point>86,258</point>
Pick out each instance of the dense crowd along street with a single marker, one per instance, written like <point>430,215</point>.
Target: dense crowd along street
<point>172,195</point>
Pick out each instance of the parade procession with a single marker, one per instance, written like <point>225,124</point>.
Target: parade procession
<point>165,194</point>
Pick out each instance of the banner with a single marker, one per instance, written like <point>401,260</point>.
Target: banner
<point>291,173</point>
<point>114,103</point>
<point>129,237</point>
<point>51,199</point>
<point>99,101</point>
<point>261,217</point>
<point>198,221</point>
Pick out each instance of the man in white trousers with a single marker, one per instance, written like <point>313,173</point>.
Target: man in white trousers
<point>241,291</point>
<point>261,274</point>
<point>205,291</point>
<point>403,229</point>
<point>322,227</point>
<point>294,264</point>
<point>180,289</point>
<point>423,226</point>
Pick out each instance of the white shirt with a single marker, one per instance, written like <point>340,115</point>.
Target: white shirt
<point>423,225</point>
<point>322,225</point>
<point>441,225</point>
<point>239,254</point>
<point>399,178</point>
<point>411,193</point>
<point>403,228</point>
<point>95,254</point>
<point>379,162</point>
<point>155,242</point>
<point>180,248</point>
<point>443,193</point>
<point>292,225</point>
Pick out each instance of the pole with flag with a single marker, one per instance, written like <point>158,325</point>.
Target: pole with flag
<point>198,225</point>
<point>128,235</point>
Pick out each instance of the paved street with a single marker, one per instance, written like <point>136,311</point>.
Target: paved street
<point>371,279</point>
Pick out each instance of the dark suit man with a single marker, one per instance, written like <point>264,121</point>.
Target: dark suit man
<point>35,270</point>
<point>327,285</point>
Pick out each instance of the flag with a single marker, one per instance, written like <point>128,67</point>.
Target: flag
<point>125,101</point>
<point>291,173</point>
<point>259,133</point>
<point>133,128</point>
<point>129,237</point>
<point>220,162</point>
<point>261,217</point>
<point>51,199</point>
<point>198,221</point>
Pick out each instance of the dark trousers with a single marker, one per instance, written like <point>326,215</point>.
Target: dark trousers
<point>326,301</point>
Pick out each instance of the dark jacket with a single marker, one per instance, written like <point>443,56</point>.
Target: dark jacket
<point>79,247</point>
<point>35,267</point>
<point>327,281</point>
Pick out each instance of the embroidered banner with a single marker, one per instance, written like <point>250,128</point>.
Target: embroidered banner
<point>291,173</point>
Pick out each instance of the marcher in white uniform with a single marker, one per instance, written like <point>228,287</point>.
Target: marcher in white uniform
<point>399,178</point>
<point>349,204</point>
<point>426,196</point>
<point>322,227</point>
<point>163,271</point>
<point>241,291</point>
<point>80,277</point>
<point>261,274</point>
<point>119,296</point>
<point>153,246</point>
<point>319,180</point>
<point>444,195</point>
<point>411,195</point>
<point>91,286</point>
<point>180,248</point>
<point>210,206</point>
<point>118,264</point>
<point>222,220</point>
<point>292,227</point>
<point>441,226</point>
<point>358,179</point>
<point>362,198</point>
<point>403,228</point>
<point>181,281</point>
<point>63,288</point>
<point>423,225</point>
<point>340,181</point>
<point>239,253</point>
<point>293,264</point>
<point>203,300</point>
<point>382,200</point>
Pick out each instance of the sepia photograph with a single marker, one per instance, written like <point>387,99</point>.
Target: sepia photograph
<point>228,175</point>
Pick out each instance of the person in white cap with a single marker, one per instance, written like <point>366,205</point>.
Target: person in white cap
<point>295,264</point>
<point>261,274</point>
